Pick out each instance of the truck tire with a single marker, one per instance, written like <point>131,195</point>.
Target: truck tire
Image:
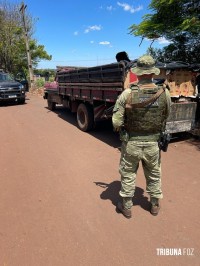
<point>51,105</point>
<point>85,117</point>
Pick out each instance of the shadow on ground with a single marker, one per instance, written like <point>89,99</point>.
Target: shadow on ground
<point>187,137</point>
<point>111,192</point>
<point>104,130</point>
<point>11,103</point>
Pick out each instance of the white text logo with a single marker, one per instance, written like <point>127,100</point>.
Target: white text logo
<point>175,251</point>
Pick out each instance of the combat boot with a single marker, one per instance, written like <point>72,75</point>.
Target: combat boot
<point>155,206</point>
<point>126,212</point>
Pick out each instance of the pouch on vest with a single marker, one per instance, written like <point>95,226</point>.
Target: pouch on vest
<point>123,135</point>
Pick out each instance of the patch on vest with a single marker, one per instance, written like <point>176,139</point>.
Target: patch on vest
<point>153,104</point>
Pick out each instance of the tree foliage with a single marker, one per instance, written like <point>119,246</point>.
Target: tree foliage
<point>179,22</point>
<point>13,57</point>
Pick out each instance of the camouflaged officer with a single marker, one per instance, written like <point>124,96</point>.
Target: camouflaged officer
<point>140,115</point>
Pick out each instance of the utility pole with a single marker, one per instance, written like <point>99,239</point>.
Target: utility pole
<point>30,69</point>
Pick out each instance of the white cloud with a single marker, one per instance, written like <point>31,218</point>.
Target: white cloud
<point>92,28</point>
<point>76,33</point>
<point>106,43</point>
<point>162,40</point>
<point>91,42</point>
<point>129,8</point>
<point>148,40</point>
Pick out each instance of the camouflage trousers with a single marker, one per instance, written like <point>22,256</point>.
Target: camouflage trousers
<point>132,152</point>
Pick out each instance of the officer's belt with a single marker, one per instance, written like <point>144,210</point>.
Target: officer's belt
<point>144,136</point>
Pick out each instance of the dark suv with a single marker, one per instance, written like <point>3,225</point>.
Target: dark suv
<point>11,90</point>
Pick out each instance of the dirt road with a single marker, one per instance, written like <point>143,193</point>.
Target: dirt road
<point>59,187</point>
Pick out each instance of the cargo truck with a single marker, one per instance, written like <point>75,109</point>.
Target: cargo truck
<point>91,92</point>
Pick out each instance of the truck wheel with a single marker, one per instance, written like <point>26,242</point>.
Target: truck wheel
<point>85,117</point>
<point>51,105</point>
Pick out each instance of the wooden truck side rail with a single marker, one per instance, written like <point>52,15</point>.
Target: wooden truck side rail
<point>90,92</point>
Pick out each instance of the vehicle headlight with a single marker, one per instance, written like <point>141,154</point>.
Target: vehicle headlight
<point>21,87</point>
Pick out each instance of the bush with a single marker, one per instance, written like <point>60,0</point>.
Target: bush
<point>52,78</point>
<point>39,82</point>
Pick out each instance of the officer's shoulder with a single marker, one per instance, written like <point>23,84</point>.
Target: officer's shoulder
<point>126,92</point>
<point>166,89</point>
<point>124,95</point>
<point>134,85</point>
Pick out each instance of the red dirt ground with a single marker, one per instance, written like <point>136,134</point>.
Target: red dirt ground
<point>59,187</point>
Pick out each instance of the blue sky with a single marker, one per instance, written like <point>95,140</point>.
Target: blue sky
<point>87,33</point>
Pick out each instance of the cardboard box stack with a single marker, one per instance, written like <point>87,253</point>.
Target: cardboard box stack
<point>181,82</point>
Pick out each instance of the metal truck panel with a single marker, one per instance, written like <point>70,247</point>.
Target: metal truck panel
<point>182,117</point>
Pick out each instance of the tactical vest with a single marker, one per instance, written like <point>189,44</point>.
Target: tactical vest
<point>147,120</point>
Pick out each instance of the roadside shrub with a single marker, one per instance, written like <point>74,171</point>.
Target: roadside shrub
<point>39,82</point>
<point>52,78</point>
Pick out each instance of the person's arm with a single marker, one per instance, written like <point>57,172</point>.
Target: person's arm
<point>169,103</point>
<point>119,110</point>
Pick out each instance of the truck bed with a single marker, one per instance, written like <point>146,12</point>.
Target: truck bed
<point>94,83</point>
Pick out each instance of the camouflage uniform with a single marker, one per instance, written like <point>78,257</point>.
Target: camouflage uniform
<point>140,130</point>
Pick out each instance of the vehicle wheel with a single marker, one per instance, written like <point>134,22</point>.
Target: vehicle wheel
<point>51,105</point>
<point>22,101</point>
<point>85,117</point>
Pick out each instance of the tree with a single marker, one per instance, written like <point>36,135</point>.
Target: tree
<point>179,22</point>
<point>12,44</point>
